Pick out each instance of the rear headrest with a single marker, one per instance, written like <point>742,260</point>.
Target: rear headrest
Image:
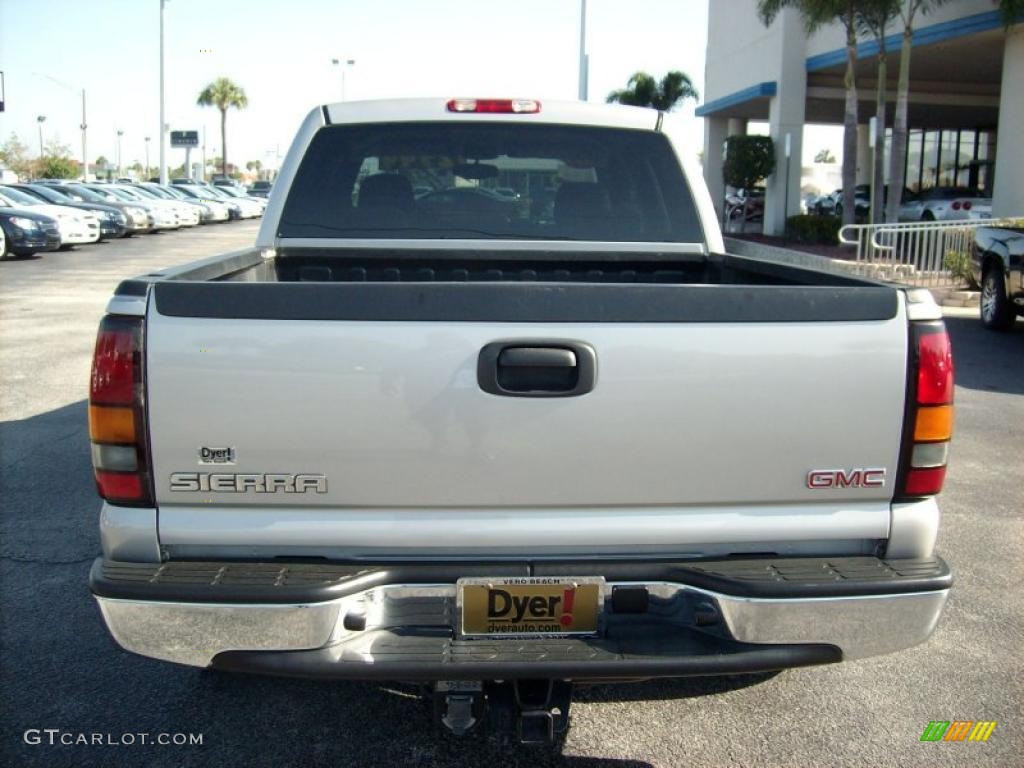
<point>576,200</point>
<point>386,190</point>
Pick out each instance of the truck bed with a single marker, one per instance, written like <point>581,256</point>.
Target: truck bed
<point>509,286</point>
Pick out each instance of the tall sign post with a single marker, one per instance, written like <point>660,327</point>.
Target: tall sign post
<point>787,150</point>
<point>584,64</point>
<point>163,123</point>
<point>85,151</point>
<point>187,140</point>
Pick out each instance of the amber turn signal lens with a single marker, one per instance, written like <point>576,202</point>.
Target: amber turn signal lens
<point>935,423</point>
<point>111,424</point>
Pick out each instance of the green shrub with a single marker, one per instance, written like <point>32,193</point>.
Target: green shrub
<point>813,230</point>
<point>56,167</point>
<point>959,265</point>
<point>749,160</point>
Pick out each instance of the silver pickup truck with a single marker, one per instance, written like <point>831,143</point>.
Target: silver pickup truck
<point>487,406</point>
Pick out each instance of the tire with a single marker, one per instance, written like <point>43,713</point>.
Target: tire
<point>838,210</point>
<point>997,313</point>
<point>927,216</point>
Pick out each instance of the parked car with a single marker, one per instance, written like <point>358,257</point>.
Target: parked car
<point>206,195</point>
<point>224,181</point>
<point>254,205</point>
<point>497,460</point>
<point>113,221</point>
<point>210,210</point>
<point>261,188</point>
<point>825,205</point>
<point>137,218</point>
<point>832,203</point>
<point>861,202</point>
<point>195,207</point>
<point>160,217</point>
<point>76,227</point>
<point>752,200</point>
<point>998,266</point>
<point>946,204</point>
<point>26,232</point>
<point>248,208</point>
<point>188,215</point>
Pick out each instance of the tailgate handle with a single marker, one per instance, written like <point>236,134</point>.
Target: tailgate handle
<point>537,357</point>
<point>537,368</point>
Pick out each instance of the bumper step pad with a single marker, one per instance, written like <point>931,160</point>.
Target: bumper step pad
<point>283,582</point>
<point>638,651</point>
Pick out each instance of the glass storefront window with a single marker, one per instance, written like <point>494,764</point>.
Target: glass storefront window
<point>948,159</point>
<point>930,160</point>
<point>913,178</point>
<point>986,159</point>
<point>966,175</point>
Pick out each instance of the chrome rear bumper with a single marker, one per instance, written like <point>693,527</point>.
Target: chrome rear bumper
<point>353,628</point>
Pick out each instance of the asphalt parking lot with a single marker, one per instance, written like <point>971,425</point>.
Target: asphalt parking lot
<point>60,669</point>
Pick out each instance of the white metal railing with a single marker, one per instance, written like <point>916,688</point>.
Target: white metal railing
<point>916,253</point>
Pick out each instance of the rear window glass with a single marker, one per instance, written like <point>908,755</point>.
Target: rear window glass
<point>443,180</point>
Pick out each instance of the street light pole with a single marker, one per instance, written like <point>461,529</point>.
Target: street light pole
<point>162,134</point>
<point>120,171</point>
<point>41,119</point>
<point>146,174</point>
<point>83,126</point>
<point>85,151</point>
<point>583,51</point>
<point>344,64</point>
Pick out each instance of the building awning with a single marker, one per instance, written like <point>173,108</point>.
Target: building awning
<point>935,33</point>
<point>748,103</point>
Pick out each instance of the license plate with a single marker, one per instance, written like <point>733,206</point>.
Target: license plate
<point>538,606</point>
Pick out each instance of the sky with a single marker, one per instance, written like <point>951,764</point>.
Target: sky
<point>280,53</point>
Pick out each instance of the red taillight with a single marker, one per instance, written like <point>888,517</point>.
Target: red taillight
<point>956,205</point>
<point>924,482</point>
<point>117,416</point>
<point>495,106</point>
<point>929,425</point>
<point>967,205</point>
<point>113,381</point>
<point>119,487</point>
<point>935,368</point>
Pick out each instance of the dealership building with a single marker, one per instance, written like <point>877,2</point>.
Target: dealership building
<point>966,105</point>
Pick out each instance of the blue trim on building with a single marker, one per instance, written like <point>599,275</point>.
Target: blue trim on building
<point>759,91</point>
<point>936,33</point>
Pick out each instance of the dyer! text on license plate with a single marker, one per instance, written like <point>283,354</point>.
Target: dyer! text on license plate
<point>530,605</point>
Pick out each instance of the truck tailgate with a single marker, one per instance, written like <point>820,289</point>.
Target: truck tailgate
<point>684,419</point>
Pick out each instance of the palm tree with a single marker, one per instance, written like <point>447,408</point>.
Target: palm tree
<point>874,18</point>
<point>223,94</point>
<point>643,90</point>
<point>816,14</point>
<point>908,11</point>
